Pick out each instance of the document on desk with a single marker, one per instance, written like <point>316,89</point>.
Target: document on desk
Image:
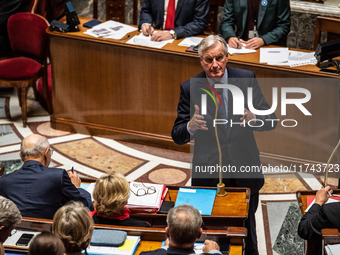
<point>128,248</point>
<point>110,29</point>
<point>333,249</point>
<point>202,199</point>
<point>143,40</point>
<point>242,50</point>
<point>311,201</point>
<point>12,240</point>
<point>192,40</point>
<point>274,55</point>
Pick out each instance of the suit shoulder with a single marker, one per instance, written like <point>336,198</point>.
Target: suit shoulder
<point>238,72</point>
<point>186,84</point>
<point>155,252</point>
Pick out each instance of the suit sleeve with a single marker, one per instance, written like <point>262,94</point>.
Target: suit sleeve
<point>179,133</point>
<point>145,13</point>
<point>228,20</point>
<point>312,222</point>
<point>199,22</point>
<point>282,25</point>
<point>71,192</point>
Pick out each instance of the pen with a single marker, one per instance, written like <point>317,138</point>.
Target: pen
<point>149,30</point>
<point>72,169</point>
<point>323,185</point>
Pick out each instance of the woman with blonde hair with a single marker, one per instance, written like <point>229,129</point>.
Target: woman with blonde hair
<point>73,225</point>
<point>111,193</point>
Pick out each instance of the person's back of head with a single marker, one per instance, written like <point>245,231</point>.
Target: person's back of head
<point>111,194</point>
<point>184,225</point>
<point>9,217</point>
<point>35,147</point>
<point>73,225</point>
<point>46,243</point>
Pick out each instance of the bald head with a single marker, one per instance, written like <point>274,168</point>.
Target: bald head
<point>34,147</point>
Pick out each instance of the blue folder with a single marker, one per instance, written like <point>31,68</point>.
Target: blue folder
<point>202,199</point>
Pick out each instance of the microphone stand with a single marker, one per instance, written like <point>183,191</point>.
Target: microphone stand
<point>221,192</point>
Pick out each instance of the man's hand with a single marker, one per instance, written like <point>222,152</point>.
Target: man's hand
<point>197,121</point>
<point>322,195</point>
<point>147,29</point>
<point>74,178</point>
<point>247,116</point>
<point>210,245</point>
<point>234,42</point>
<point>254,43</point>
<point>161,36</point>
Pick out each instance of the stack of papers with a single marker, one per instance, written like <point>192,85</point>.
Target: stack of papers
<point>189,41</point>
<point>146,41</point>
<point>283,56</point>
<point>311,201</point>
<point>243,50</point>
<point>128,248</point>
<point>110,29</point>
<point>202,199</point>
<point>146,197</point>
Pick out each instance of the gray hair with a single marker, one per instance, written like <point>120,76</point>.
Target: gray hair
<point>9,213</point>
<point>35,151</point>
<point>184,223</point>
<point>210,41</point>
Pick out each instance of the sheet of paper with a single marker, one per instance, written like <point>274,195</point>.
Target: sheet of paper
<point>89,187</point>
<point>192,40</point>
<point>146,41</point>
<point>273,55</point>
<point>299,58</point>
<point>110,29</point>
<point>152,197</point>
<point>243,50</point>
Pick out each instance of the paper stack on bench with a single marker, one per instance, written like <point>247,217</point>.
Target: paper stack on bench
<point>146,197</point>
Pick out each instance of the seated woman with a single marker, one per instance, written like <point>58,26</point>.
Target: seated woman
<point>73,225</point>
<point>111,193</point>
<point>9,217</point>
<point>46,243</point>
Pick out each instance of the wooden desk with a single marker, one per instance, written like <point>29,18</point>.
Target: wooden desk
<point>329,236</point>
<point>231,210</point>
<point>128,92</point>
<point>151,238</point>
<point>302,198</point>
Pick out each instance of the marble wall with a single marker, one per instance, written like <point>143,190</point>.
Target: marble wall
<point>303,17</point>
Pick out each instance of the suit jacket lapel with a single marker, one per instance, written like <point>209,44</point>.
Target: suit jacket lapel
<point>262,12</point>
<point>244,4</point>
<point>178,8</point>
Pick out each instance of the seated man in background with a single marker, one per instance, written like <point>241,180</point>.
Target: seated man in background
<point>255,23</point>
<point>184,227</point>
<point>319,216</point>
<point>46,243</point>
<point>111,194</point>
<point>180,18</point>
<point>9,217</point>
<point>38,190</point>
<point>74,226</point>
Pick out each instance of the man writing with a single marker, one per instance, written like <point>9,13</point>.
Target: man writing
<point>184,227</point>
<point>232,143</point>
<point>38,190</point>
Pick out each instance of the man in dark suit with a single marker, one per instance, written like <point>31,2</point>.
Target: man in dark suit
<point>190,18</point>
<point>255,22</point>
<point>319,216</point>
<point>38,190</point>
<point>184,227</point>
<point>230,145</point>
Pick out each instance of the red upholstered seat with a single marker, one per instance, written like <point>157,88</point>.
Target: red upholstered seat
<point>20,68</point>
<point>30,43</point>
